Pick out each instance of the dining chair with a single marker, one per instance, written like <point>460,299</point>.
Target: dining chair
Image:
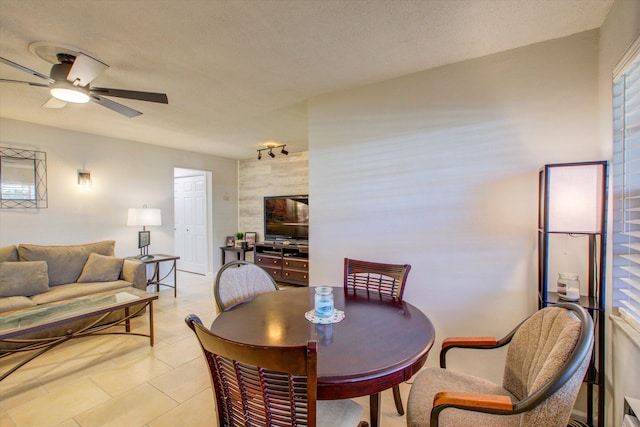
<point>384,279</point>
<point>238,280</point>
<point>269,386</point>
<point>547,357</point>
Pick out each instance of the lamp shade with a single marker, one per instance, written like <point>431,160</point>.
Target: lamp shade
<point>574,197</point>
<point>144,217</point>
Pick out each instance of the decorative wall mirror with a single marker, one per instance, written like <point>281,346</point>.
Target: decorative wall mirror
<point>23,178</point>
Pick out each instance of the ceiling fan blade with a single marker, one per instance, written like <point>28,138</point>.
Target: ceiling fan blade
<point>54,103</point>
<point>131,94</point>
<point>24,83</point>
<point>85,69</point>
<point>118,108</point>
<point>26,70</point>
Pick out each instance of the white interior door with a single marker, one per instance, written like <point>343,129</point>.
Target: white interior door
<point>190,194</point>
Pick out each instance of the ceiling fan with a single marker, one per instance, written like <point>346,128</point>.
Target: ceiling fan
<point>70,77</point>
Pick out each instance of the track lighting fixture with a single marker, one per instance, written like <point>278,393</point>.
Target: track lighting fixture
<point>272,147</point>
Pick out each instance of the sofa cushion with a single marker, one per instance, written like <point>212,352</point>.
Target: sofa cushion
<point>101,268</point>
<point>23,278</point>
<point>65,263</point>
<point>8,253</point>
<point>73,290</point>
<point>15,303</point>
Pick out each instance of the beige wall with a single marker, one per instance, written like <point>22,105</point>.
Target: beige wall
<point>439,170</point>
<point>125,174</point>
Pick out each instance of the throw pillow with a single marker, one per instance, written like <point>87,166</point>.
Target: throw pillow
<point>64,263</point>
<point>23,278</point>
<point>101,268</point>
<point>8,253</point>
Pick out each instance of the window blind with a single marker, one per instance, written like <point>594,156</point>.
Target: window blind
<point>626,184</point>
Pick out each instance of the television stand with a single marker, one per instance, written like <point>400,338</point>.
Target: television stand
<point>285,263</point>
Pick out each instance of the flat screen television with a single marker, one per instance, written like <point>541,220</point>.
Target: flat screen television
<point>286,218</point>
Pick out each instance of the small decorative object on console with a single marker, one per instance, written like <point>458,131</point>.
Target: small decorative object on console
<point>239,242</point>
<point>250,237</point>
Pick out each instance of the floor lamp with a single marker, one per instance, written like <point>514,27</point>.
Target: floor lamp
<point>573,202</point>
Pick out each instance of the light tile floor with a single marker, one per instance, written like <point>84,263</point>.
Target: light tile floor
<point>118,380</point>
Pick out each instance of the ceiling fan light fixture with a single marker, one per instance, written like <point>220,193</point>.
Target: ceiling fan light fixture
<point>76,95</point>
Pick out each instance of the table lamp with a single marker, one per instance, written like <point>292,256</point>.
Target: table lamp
<point>144,217</point>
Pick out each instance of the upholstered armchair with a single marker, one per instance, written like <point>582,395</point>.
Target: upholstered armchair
<point>546,361</point>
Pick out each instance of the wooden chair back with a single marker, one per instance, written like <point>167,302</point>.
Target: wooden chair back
<point>258,385</point>
<point>385,279</point>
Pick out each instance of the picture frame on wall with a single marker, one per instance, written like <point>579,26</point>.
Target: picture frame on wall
<point>250,237</point>
<point>231,241</point>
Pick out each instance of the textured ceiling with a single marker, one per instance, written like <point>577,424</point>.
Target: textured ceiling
<point>239,73</point>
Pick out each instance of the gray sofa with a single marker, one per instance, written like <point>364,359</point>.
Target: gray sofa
<point>31,275</point>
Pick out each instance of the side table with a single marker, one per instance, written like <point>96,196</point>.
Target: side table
<point>240,252</point>
<point>155,279</point>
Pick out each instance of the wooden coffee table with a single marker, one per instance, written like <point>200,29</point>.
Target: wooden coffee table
<point>17,323</point>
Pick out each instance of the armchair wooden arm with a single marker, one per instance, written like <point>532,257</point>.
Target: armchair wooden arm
<point>473,342</point>
<point>473,400</point>
<point>469,342</point>
<point>491,403</point>
<point>465,342</point>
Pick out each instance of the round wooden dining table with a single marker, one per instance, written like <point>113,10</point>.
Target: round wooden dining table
<point>380,343</point>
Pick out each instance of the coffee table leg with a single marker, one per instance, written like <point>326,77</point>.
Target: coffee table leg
<point>374,405</point>
<point>127,323</point>
<point>151,337</point>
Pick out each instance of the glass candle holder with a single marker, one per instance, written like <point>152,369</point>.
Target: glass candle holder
<point>323,301</point>
<point>568,281</point>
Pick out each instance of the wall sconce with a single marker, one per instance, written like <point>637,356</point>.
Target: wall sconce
<point>84,178</point>
<point>270,148</point>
